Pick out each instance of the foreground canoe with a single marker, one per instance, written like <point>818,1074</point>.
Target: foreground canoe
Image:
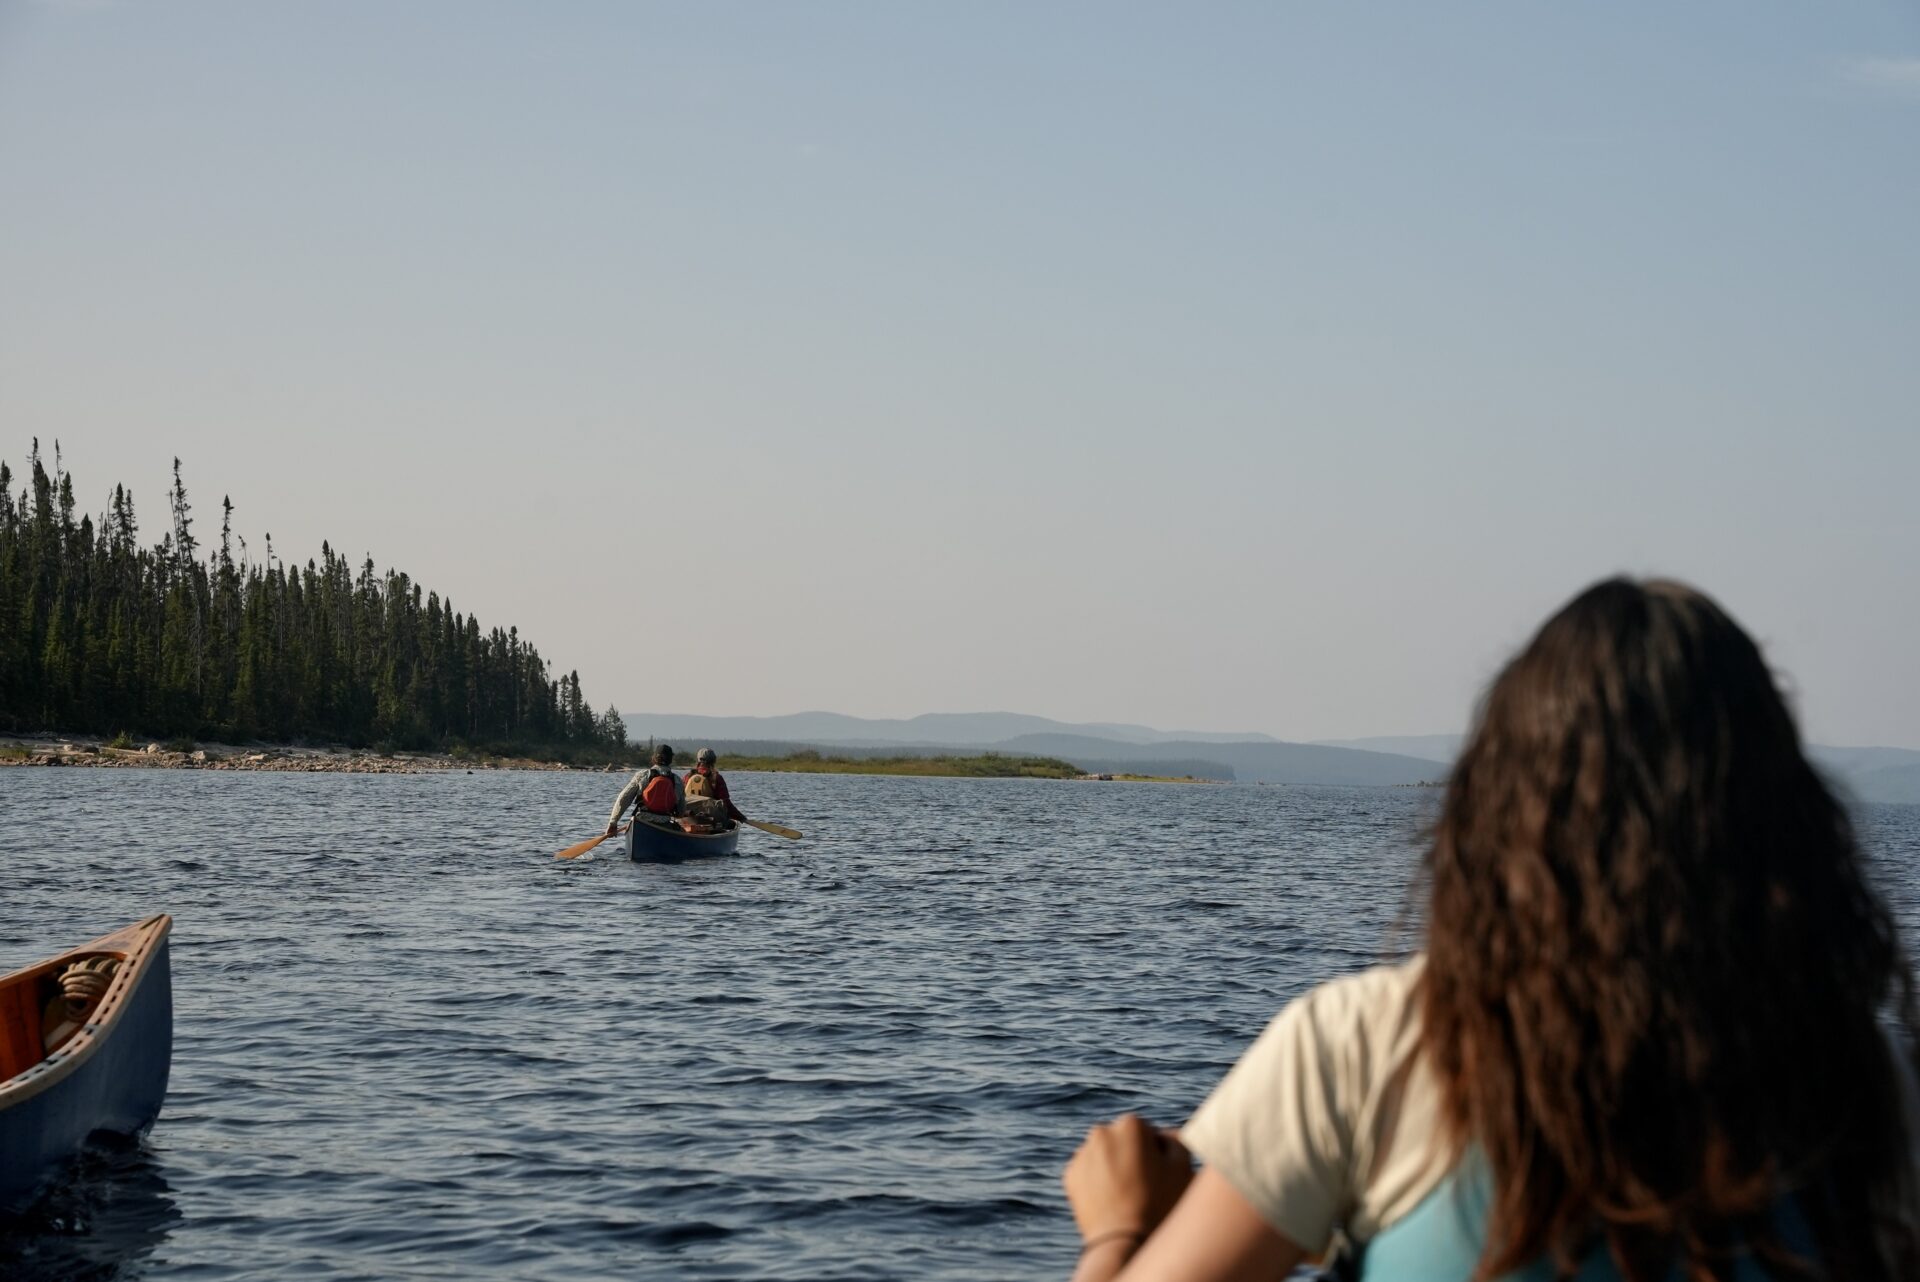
<point>664,843</point>
<point>86,1041</point>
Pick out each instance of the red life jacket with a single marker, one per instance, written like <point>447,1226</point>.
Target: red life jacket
<point>660,794</point>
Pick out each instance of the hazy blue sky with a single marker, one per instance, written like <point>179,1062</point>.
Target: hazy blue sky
<point>1270,366</point>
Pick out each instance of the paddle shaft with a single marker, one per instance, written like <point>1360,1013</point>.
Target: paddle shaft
<point>778,831</point>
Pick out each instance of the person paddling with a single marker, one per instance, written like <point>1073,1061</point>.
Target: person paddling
<point>706,789</point>
<point>655,790</point>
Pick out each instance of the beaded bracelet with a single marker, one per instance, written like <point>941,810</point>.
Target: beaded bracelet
<point>1112,1235</point>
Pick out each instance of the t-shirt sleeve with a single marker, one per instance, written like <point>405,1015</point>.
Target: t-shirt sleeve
<point>1279,1126</point>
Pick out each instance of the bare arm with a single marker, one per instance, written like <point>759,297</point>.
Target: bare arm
<point>1213,1235</point>
<point>628,794</point>
<point>1129,1182</point>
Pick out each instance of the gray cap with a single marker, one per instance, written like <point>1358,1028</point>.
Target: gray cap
<point>705,757</point>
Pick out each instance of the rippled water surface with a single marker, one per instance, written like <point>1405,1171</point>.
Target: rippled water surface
<point>411,1044</point>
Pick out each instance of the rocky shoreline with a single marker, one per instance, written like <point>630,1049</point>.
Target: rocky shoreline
<point>81,751</point>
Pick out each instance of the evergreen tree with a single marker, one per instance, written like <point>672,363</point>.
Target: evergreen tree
<point>99,634</point>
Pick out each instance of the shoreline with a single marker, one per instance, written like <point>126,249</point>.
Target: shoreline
<point>94,753</point>
<point>1132,778</point>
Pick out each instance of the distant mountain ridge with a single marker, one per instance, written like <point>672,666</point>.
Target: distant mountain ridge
<point>1883,775</point>
<point>1428,747</point>
<point>1272,762</point>
<point>953,729</point>
<point>1102,747</point>
<point>1889,776</point>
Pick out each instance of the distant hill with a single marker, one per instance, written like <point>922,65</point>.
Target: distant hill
<point>1428,747</point>
<point>1095,748</point>
<point>1889,785</point>
<point>1271,762</point>
<point>1884,775</point>
<point>1862,759</point>
<point>945,729</point>
<point>1889,776</point>
<point>1143,762</point>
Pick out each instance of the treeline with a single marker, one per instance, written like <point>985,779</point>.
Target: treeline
<point>101,635</point>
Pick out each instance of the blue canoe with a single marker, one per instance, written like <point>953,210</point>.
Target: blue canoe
<point>106,1011</point>
<point>664,842</point>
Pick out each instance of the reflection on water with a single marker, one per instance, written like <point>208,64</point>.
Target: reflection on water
<point>411,1044</point>
<point>99,1224</point>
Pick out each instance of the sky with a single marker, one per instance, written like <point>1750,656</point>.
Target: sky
<point>1245,367</point>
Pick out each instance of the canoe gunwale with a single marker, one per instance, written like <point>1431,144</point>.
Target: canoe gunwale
<point>136,945</point>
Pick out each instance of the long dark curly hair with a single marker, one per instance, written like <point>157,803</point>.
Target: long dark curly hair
<point>1656,969</point>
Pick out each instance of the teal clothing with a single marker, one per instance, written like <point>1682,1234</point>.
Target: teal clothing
<point>1440,1239</point>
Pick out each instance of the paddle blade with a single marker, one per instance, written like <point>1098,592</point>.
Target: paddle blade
<point>778,831</point>
<point>574,852</point>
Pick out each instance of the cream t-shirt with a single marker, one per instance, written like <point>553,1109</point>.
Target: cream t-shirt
<point>1330,1119</point>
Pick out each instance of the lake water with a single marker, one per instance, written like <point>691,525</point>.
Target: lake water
<point>411,1044</point>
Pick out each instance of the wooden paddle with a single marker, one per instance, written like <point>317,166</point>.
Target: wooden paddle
<point>574,852</point>
<point>775,829</point>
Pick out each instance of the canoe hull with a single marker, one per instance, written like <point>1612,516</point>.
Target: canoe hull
<point>657,844</point>
<point>109,1081</point>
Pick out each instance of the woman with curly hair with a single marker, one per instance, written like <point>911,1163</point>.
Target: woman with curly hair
<point>1644,1040</point>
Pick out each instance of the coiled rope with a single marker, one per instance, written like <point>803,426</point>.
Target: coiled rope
<point>86,982</point>
<point>82,985</point>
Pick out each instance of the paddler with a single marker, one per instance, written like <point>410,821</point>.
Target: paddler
<point>655,790</point>
<point>705,781</point>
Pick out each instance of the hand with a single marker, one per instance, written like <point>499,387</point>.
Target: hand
<point>612,827</point>
<point>1126,1175</point>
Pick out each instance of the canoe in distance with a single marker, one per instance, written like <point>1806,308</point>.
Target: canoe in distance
<point>665,842</point>
<point>86,1042</point>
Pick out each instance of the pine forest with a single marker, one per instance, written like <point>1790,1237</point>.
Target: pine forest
<point>100,635</point>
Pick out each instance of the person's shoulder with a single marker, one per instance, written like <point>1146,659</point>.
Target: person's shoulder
<point>1369,1009</point>
<point>1364,1012</point>
<point>1386,984</point>
<point>1290,1126</point>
